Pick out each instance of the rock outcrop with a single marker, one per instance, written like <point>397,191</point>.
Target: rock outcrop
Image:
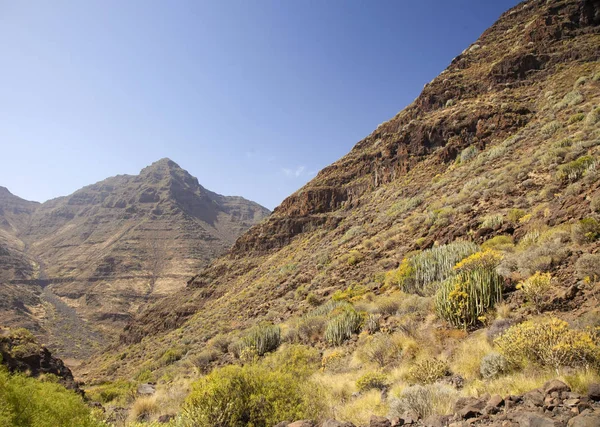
<point>20,352</point>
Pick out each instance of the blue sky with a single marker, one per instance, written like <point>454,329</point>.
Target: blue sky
<point>253,97</point>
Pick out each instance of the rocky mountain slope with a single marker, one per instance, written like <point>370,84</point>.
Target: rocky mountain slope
<point>492,133</point>
<point>501,150</point>
<point>93,258</point>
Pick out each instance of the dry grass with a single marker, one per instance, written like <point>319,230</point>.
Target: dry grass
<point>143,408</point>
<point>516,383</point>
<point>466,359</point>
<point>360,409</point>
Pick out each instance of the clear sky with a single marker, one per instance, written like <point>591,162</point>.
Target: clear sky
<point>253,97</point>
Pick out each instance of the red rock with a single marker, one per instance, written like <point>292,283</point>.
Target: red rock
<point>377,421</point>
<point>555,386</point>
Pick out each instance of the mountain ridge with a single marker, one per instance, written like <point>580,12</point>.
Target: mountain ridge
<point>110,247</point>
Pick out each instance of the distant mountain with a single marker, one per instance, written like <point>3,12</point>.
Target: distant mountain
<point>91,259</point>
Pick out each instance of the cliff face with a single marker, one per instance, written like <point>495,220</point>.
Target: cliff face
<point>21,353</point>
<point>483,138</point>
<point>91,259</point>
<point>486,94</point>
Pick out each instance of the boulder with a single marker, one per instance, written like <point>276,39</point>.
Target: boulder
<point>534,398</point>
<point>495,401</point>
<point>594,392</point>
<point>377,421</point>
<point>146,389</point>
<point>302,423</point>
<point>469,412</point>
<point>436,421</point>
<point>335,423</point>
<point>531,419</point>
<point>585,420</point>
<point>555,386</point>
<point>474,402</point>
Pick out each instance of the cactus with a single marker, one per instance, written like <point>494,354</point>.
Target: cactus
<point>262,338</point>
<point>463,299</point>
<point>343,325</point>
<point>432,266</point>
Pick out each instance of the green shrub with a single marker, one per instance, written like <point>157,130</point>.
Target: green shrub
<point>463,299</point>
<point>345,322</point>
<point>387,306</point>
<point>548,342</point>
<point>262,338</point>
<point>498,242</point>
<point>351,293</point>
<point>536,288</point>
<point>493,365</point>
<point>144,376</point>
<point>585,231</point>
<point>404,205</point>
<point>423,401</point>
<point>251,395</point>
<point>427,371</point>
<point>381,349</point>
<point>25,349</point>
<point>576,169</point>
<point>172,355</point>
<point>26,402</point>
<point>312,299</point>
<point>514,215</point>
<point>588,266</point>
<point>593,117</point>
<point>492,221</point>
<point>595,204</point>
<point>576,118</point>
<point>311,328</point>
<point>372,380</point>
<point>297,359</point>
<point>354,257</point>
<point>550,129</point>
<point>372,323</point>
<point>203,359</point>
<point>118,392</point>
<point>468,153</point>
<point>570,99</point>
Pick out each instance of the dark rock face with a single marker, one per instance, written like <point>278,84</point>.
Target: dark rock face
<point>20,353</point>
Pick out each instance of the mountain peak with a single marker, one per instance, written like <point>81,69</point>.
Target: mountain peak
<point>164,164</point>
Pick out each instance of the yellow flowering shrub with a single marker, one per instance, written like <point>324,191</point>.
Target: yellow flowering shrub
<point>427,371</point>
<point>486,259</point>
<point>464,299</point>
<point>332,361</point>
<point>549,342</point>
<point>536,288</point>
<point>401,276</point>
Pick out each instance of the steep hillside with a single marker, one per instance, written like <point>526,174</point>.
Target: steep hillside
<point>474,209</point>
<point>91,259</point>
<point>15,214</point>
<point>498,130</point>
